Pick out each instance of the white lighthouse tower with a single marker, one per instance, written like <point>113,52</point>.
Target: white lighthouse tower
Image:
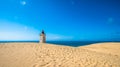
<point>42,37</point>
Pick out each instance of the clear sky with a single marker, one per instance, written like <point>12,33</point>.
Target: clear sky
<point>61,19</point>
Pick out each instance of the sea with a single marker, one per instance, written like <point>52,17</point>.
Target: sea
<point>65,43</point>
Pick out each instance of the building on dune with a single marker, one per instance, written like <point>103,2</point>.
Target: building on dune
<point>42,37</point>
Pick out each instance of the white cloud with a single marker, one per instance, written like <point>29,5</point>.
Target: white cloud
<point>23,3</point>
<point>13,31</point>
<point>58,37</point>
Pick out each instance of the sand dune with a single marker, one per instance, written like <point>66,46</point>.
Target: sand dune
<point>48,55</point>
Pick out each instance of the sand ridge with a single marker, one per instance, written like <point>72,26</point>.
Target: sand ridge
<point>50,55</point>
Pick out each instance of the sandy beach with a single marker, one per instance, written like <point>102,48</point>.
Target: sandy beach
<point>51,55</point>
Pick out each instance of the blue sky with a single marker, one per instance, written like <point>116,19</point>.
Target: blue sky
<point>61,19</point>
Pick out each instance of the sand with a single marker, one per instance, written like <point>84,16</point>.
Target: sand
<point>50,55</point>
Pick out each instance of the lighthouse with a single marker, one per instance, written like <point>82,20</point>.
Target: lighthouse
<point>42,37</point>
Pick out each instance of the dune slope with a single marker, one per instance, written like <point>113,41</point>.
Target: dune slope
<point>48,55</point>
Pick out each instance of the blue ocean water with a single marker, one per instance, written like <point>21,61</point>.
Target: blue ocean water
<point>77,43</point>
<point>66,43</point>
